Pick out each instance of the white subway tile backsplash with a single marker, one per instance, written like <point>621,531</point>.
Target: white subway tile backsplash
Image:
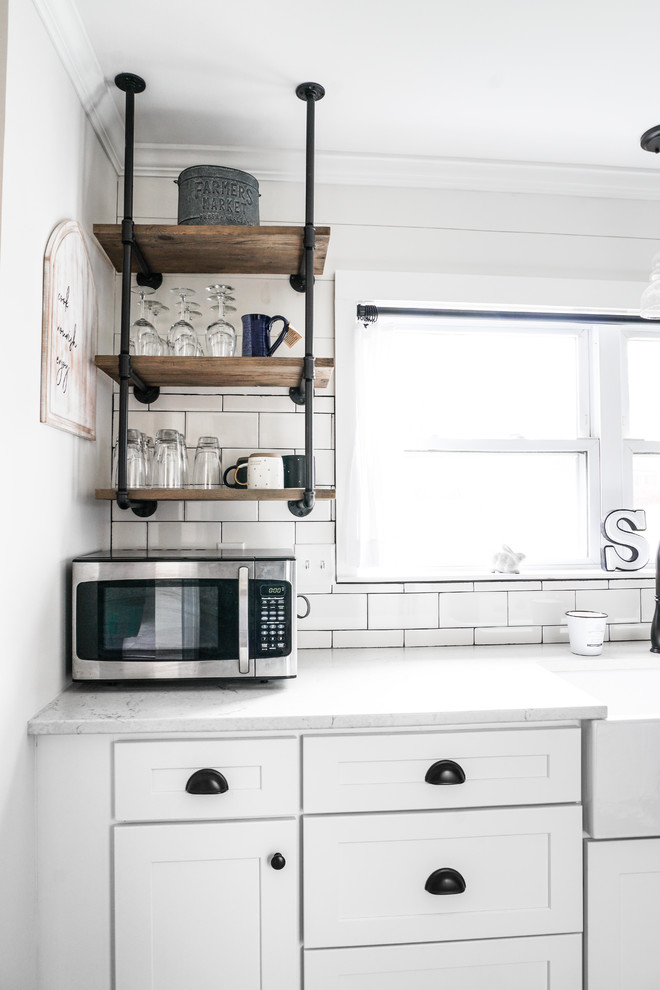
<point>539,608</point>
<point>507,585</point>
<point>620,605</point>
<point>402,611</point>
<point>336,612</point>
<point>555,634</point>
<point>412,588</point>
<point>150,422</point>
<point>185,535</point>
<point>476,608</point>
<point>129,536</point>
<point>358,638</point>
<point>438,637</point>
<point>505,635</point>
<point>184,402</point>
<point>371,589</point>
<point>273,536</point>
<point>165,512</point>
<point>280,512</point>
<point>633,631</point>
<point>286,430</point>
<point>259,403</point>
<point>575,585</point>
<point>310,531</point>
<point>231,429</point>
<point>221,511</point>
<point>648,604</point>
<point>314,639</point>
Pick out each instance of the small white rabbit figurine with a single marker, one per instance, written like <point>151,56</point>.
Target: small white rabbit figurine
<point>506,561</point>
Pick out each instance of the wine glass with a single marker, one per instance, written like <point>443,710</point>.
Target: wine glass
<point>221,335</point>
<point>181,337</point>
<point>144,333</point>
<point>155,306</point>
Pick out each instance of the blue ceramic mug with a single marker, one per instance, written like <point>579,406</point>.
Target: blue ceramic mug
<point>256,334</point>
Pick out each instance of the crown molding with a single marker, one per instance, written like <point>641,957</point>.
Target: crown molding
<point>70,39</point>
<point>71,42</point>
<point>336,168</point>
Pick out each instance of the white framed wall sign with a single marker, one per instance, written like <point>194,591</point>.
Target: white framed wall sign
<point>68,342</point>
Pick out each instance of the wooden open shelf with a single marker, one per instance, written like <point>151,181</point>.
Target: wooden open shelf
<point>174,248</point>
<point>215,494</point>
<point>219,372</point>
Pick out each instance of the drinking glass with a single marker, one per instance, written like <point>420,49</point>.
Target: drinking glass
<point>167,460</point>
<point>181,337</point>
<point>144,334</point>
<point>221,335</point>
<point>135,462</point>
<point>206,468</point>
<point>148,454</point>
<point>183,455</point>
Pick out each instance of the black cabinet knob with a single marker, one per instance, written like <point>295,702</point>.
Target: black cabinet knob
<point>445,772</point>
<point>445,881</point>
<point>278,861</point>
<point>207,782</point>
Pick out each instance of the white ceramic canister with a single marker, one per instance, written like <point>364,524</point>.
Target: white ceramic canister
<point>265,471</point>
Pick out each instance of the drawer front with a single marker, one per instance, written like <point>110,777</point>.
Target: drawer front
<point>386,772</point>
<point>378,879</point>
<point>552,963</point>
<point>261,777</point>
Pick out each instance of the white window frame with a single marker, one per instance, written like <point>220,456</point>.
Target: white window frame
<point>609,474</point>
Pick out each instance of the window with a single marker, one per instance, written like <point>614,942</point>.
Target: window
<point>471,433</point>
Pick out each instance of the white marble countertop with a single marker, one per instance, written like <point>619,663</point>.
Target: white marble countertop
<point>357,688</point>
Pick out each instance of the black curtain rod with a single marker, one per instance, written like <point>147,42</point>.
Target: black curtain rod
<point>368,313</point>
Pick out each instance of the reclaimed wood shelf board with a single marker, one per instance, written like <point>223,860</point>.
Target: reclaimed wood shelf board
<point>219,372</point>
<point>215,494</point>
<point>239,250</point>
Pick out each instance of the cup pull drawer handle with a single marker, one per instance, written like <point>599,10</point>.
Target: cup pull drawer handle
<point>445,881</point>
<point>207,782</point>
<point>445,772</point>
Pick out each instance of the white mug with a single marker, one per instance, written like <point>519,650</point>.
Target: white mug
<point>265,471</point>
<point>586,630</point>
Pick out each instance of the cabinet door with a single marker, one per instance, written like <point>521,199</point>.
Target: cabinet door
<point>623,915</point>
<point>202,906</point>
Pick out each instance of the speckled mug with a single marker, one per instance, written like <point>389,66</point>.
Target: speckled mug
<point>265,471</point>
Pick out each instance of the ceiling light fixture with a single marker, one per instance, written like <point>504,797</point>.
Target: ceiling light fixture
<point>649,308</point>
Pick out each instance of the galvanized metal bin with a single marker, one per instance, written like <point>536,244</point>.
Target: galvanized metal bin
<point>213,194</point>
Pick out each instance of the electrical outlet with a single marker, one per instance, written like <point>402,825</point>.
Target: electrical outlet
<point>315,568</point>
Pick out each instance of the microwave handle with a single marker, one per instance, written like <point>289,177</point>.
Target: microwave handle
<point>243,599</point>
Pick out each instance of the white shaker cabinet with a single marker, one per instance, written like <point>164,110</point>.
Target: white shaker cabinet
<point>623,914</point>
<point>177,861</point>
<point>207,905</point>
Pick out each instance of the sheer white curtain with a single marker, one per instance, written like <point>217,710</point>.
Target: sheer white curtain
<point>373,479</point>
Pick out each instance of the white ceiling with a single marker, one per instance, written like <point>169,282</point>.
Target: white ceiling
<point>411,84</point>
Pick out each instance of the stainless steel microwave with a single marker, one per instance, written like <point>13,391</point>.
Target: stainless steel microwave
<point>181,614</point>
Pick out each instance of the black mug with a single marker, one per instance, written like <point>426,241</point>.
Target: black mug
<point>238,472</point>
<point>294,471</point>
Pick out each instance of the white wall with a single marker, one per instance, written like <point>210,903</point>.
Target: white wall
<point>571,251</point>
<point>53,169</point>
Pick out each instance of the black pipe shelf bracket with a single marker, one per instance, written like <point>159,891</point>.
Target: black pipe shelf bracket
<point>130,84</point>
<point>303,394</point>
<point>310,93</point>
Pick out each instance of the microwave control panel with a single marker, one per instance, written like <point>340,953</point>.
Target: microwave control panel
<point>274,616</point>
